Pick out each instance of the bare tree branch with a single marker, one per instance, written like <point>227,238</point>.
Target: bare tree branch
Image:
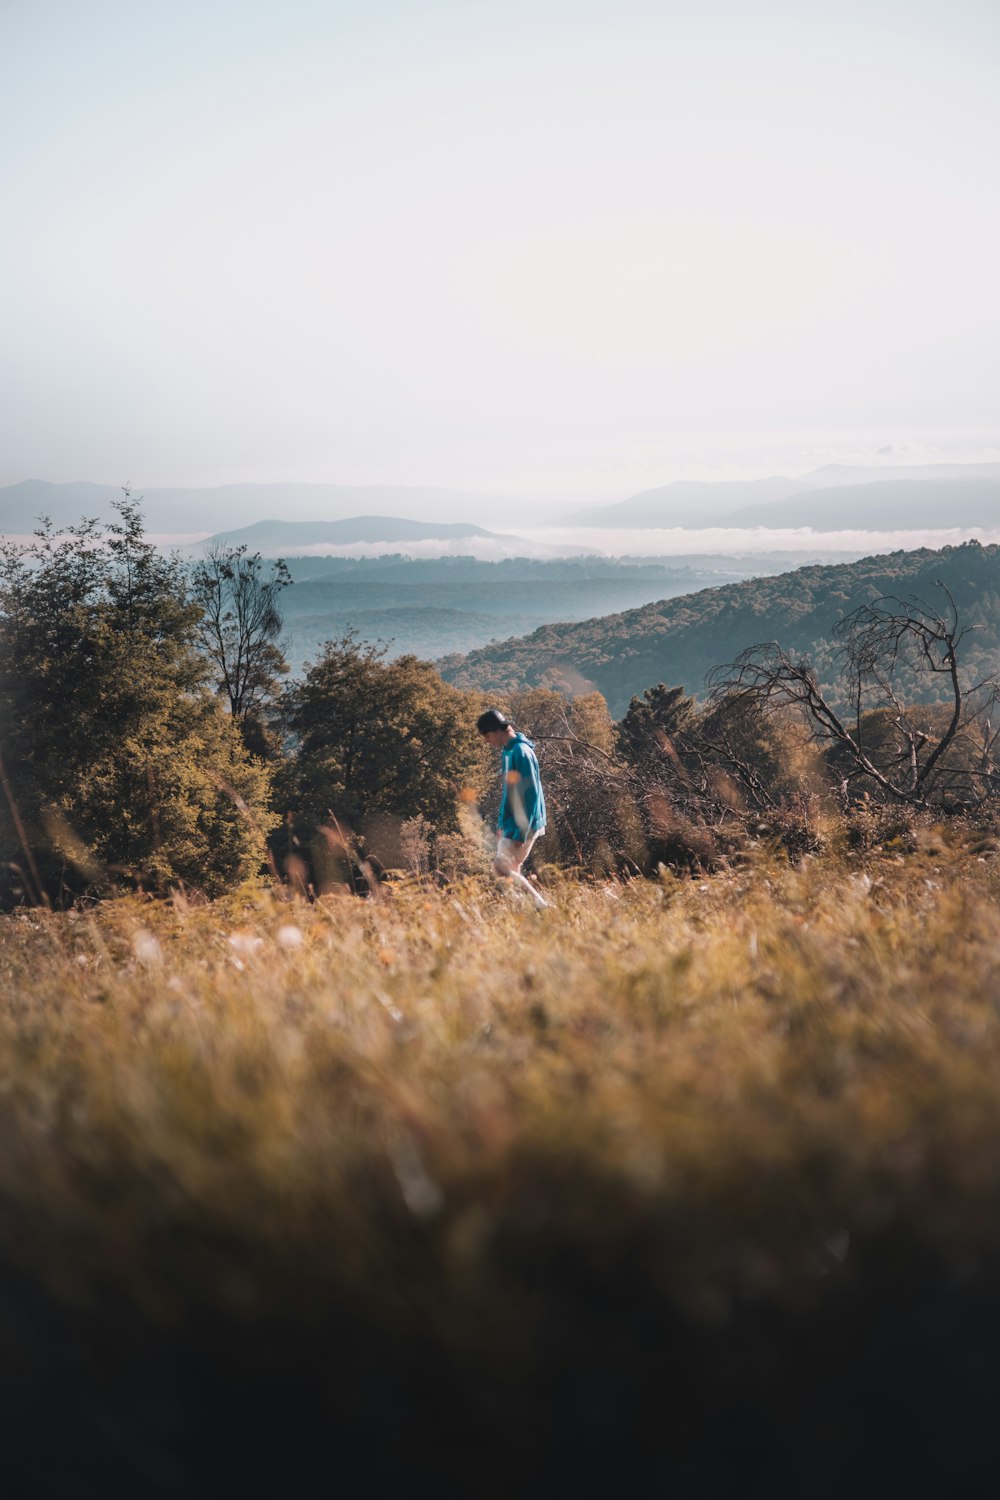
<point>884,646</point>
<point>240,625</point>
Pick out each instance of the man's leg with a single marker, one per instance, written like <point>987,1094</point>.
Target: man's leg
<point>510,857</point>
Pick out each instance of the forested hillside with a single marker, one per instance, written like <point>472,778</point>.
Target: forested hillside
<point>431,606</point>
<point>680,640</point>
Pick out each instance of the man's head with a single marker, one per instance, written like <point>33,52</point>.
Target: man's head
<point>495,727</point>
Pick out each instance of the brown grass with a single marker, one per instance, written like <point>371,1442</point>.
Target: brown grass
<point>629,1172</point>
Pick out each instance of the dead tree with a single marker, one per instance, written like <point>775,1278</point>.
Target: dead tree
<point>890,652</point>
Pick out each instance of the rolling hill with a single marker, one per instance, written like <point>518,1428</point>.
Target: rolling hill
<point>290,535</point>
<point>678,641</point>
<point>221,507</point>
<point>687,502</point>
<point>690,503</point>
<point>833,497</point>
<point>436,605</point>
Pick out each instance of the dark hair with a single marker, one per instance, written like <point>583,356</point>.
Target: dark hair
<point>491,720</point>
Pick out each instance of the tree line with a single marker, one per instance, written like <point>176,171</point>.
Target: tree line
<point>151,737</point>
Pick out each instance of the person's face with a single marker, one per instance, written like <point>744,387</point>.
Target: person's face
<point>496,737</point>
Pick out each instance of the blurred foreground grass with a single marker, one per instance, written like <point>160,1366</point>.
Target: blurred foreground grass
<point>680,1185</point>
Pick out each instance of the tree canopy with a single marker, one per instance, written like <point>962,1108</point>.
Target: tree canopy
<point>118,763</point>
<point>377,736</point>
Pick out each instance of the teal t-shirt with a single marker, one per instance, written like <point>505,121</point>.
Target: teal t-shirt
<point>522,806</point>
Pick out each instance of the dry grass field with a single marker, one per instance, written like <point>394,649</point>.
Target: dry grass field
<point>681,1187</point>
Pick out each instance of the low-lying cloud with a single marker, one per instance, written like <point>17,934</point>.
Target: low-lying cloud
<point>676,541</point>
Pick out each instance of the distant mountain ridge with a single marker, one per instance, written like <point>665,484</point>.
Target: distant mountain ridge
<point>819,498</point>
<point>891,505</point>
<point>686,502</point>
<point>680,640</point>
<point>292,534</point>
<point>826,493</point>
<point>222,507</point>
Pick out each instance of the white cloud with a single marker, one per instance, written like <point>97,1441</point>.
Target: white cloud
<point>577,541</point>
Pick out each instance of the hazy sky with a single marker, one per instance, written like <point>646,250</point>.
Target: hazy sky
<point>555,249</point>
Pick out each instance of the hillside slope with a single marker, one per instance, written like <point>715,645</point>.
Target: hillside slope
<point>688,502</point>
<point>438,605</point>
<point>680,640</point>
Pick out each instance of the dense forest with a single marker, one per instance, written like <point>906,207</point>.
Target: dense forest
<point>682,640</point>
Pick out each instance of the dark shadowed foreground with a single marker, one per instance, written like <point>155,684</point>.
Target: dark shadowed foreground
<point>684,1188</point>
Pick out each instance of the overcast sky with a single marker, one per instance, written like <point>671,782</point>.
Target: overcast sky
<point>543,248</point>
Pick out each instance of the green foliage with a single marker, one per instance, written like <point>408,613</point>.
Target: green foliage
<point>118,762</point>
<point>376,737</point>
<point>653,722</point>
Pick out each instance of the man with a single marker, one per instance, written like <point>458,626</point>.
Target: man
<point>522,805</point>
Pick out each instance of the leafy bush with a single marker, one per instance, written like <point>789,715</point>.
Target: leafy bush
<point>373,743</point>
<point>119,764</point>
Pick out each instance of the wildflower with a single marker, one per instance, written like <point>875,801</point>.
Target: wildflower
<point>245,944</point>
<point>146,948</point>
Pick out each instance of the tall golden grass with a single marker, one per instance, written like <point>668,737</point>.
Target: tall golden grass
<point>385,1187</point>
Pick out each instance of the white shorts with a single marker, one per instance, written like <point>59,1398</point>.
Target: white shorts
<point>517,850</point>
